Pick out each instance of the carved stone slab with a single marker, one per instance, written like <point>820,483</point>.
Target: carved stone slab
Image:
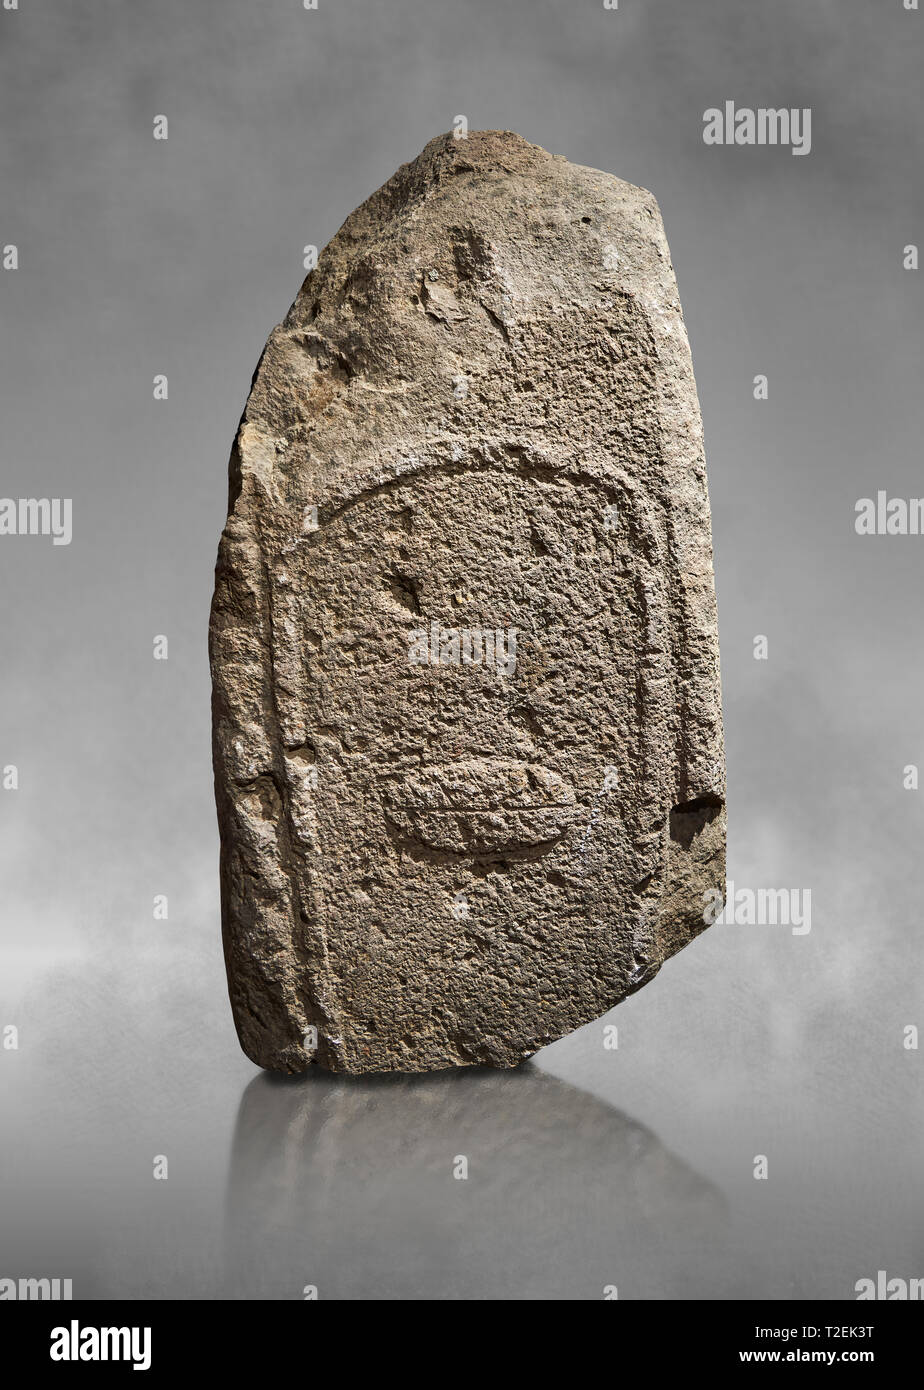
<point>467,728</point>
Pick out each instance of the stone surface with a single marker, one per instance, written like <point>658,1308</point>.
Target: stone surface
<point>466,708</point>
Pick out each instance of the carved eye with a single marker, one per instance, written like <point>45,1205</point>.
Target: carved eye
<point>481,805</point>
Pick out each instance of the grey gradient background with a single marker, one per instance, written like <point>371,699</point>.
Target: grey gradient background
<point>139,257</point>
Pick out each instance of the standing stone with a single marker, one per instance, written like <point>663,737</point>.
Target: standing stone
<point>467,727</point>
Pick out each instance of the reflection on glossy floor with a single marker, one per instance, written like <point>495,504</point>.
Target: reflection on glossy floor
<point>352,1185</point>
<point>587,1168</point>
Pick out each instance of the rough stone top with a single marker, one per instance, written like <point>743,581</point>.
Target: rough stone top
<point>515,173</point>
<point>489,290</point>
<point>486,151</point>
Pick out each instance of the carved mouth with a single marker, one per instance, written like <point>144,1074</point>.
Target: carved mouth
<point>482,805</point>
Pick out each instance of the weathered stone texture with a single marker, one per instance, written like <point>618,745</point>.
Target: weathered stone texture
<point>485,391</point>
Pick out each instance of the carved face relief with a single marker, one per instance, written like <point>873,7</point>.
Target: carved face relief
<point>467,739</point>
